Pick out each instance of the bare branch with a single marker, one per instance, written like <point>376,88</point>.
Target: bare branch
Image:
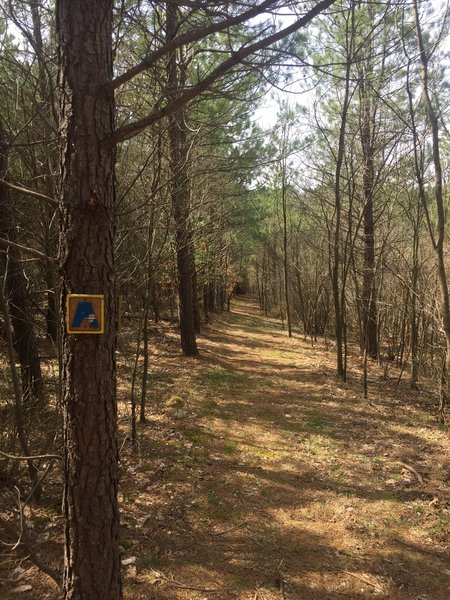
<point>31,193</point>
<point>31,251</point>
<point>37,457</point>
<point>29,547</point>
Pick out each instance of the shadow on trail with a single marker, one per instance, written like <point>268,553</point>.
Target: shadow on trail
<point>273,390</point>
<point>235,505</point>
<point>240,539</point>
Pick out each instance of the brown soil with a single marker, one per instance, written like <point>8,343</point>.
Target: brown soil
<point>259,476</point>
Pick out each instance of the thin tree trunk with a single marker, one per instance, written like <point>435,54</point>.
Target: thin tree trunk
<point>133,425</point>
<point>195,297</point>
<point>16,289</point>
<point>143,402</point>
<point>285,252</point>
<point>48,108</point>
<point>336,258</point>
<point>368,290</point>
<point>440,209</point>
<point>150,292</point>
<point>414,333</point>
<point>18,404</point>
<point>418,164</point>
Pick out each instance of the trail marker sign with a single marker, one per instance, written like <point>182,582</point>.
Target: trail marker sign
<point>85,313</point>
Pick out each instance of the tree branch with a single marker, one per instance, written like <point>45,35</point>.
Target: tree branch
<point>37,457</point>
<point>187,38</point>
<point>132,129</point>
<point>29,192</point>
<point>36,253</point>
<point>26,543</point>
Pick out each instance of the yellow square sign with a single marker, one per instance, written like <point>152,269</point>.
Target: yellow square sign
<point>85,313</point>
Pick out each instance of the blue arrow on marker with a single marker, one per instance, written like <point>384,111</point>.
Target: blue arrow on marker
<point>85,310</point>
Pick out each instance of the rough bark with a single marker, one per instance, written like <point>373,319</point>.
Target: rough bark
<point>178,148</point>
<point>92,560</point>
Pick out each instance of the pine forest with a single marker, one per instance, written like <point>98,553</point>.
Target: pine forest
<point>224,300</point>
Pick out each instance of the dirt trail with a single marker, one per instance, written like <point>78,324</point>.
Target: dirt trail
<point>259,477</point>
<point>262,478</point>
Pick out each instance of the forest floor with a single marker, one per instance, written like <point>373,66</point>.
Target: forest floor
<point>258,476</point>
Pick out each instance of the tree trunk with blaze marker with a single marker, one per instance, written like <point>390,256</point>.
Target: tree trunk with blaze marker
<point>92,561</point>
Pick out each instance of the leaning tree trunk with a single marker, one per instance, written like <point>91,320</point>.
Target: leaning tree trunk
<point>439,242</point>
<point>16,288</point>
<point>178,148</point>
<point>92,559</point>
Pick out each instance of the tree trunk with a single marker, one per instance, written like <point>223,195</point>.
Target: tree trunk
<point>368,290</point>
<point>178,148</point>
<point>16,288</point>
<point>48,108</point>
<point>18,395</point>
<point>285,251</point>
<point>414,336</point>
<point>149,293</point>
<point>195,297</point>
<point>336,254</point>
<point>92,560</point>
<point>439,242</point>
<point>51,314</point>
